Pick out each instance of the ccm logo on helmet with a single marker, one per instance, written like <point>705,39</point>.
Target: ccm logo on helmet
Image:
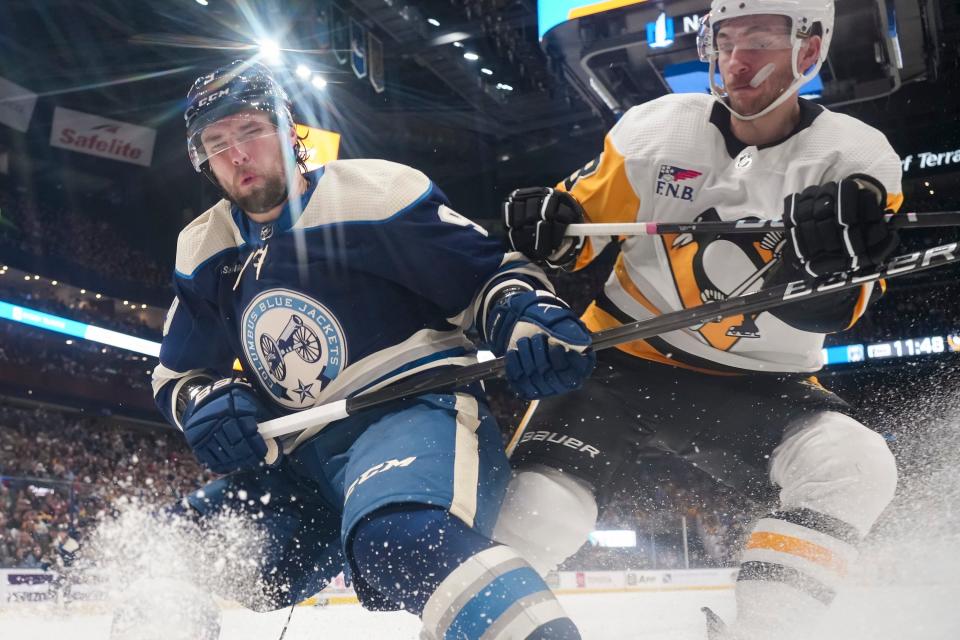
<point>207,99</point>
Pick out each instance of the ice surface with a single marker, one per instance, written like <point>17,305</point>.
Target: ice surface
<point>892,613</point>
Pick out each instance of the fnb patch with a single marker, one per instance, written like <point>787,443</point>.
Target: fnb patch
<point>670,182</point>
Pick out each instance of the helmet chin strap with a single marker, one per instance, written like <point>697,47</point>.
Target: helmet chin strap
<point>799,79</point>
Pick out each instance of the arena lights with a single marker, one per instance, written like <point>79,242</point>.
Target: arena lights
<point>434,22</point>
<point>471,56</point>
<point>57,324</point>
<point>302,71</point>
<point>269,50</point>
<point>458,44</point>
<point>486,72</point>
<point>318,82</point>
<point>504,87</point>
<point>202,3</point>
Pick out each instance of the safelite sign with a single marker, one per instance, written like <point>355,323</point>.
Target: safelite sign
<point>102,137</point>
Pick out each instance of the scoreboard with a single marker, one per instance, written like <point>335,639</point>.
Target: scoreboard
<point>620,53</point>
<point>902,348</point>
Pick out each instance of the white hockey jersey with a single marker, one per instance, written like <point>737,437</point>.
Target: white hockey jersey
<point>675,160</point>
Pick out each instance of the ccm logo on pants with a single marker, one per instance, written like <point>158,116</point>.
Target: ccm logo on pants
<point>556,438</point>
<point>378,468</point>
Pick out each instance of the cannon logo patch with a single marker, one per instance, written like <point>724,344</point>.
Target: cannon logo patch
<point>294,344</point>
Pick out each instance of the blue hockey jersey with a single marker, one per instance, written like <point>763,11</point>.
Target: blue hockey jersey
<point>369,277</point>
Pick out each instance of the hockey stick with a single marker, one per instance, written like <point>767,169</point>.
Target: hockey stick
<point>899,221</point>
<point>757,302</point>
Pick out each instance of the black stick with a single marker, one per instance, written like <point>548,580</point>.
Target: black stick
<point>759,301</point>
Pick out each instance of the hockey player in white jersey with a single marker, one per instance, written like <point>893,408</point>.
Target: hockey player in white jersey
<point>735,396</point>
<point>325,284</point>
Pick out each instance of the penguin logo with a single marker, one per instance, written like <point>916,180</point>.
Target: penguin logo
<point>713,268</point>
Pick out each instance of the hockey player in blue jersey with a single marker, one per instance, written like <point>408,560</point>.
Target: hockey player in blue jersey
<point>327,284</point>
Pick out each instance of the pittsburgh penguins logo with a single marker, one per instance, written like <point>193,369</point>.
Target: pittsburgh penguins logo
<point>711,268</point>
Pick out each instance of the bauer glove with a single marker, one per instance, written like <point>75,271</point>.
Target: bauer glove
<point>547,347</point>
<point>220,424</point>
<point>839,227</point>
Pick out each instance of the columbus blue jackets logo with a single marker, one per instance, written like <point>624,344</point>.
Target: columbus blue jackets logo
<point>294,344</point>
<point>678,183</point>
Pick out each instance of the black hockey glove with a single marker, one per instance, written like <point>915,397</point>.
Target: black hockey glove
<point>839,227</point>
<point>536,219</point>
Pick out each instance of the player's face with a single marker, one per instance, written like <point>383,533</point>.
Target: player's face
<point>246,157</point>
<point>748,46</point>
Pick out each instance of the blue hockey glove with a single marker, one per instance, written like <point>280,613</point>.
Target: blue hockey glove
<point>546,346</point>
<point>220,424</point>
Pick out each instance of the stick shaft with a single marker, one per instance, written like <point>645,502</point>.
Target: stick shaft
<point>759,301</point>
<point>899,220</point>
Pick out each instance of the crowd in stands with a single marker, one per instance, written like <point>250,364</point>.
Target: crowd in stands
<point>908,313</point>
<point>661,493</point>
<point>81,309</point>
<point>60,472</point>
<point>27,349</point>
<point>62,233</point>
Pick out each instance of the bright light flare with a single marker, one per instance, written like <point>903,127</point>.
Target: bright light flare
<point>471,56</point>
<point>302,71</point>
<point>269,50</point>
<point>319,82</point>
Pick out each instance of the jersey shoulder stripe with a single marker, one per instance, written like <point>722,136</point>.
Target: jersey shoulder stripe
<point>363,191</point>
<point>212,233</point>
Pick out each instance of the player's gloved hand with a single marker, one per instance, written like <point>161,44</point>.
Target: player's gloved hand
<point>839,226</point>
<point>547,347</point>
<point>220,424</point>
<point>536,219</point>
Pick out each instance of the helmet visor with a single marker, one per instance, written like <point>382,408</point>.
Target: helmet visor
<point>762,32</point>
<point>221,134</point>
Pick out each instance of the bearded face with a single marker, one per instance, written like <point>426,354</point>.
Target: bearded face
<point>246,157</point>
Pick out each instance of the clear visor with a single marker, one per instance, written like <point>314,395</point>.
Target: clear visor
<point>224,134</point>
<point>750,33</point>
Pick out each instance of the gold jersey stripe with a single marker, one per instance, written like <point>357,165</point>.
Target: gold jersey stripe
<point>798,547</point>
<point>605,193</point>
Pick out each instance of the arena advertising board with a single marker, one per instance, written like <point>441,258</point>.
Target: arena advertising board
<point>103,137</point>
<point>16,105</point>
<point>322,146</point>
<point>550,13</point>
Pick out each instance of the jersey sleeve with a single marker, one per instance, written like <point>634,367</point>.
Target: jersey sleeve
<point>603,189</point>
<point>193,349</point>
<point>443,257</point>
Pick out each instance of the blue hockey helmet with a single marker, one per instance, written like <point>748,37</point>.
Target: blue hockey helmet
<point>241,87</point>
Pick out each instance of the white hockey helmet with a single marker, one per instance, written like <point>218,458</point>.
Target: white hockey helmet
<point>804,15</point>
